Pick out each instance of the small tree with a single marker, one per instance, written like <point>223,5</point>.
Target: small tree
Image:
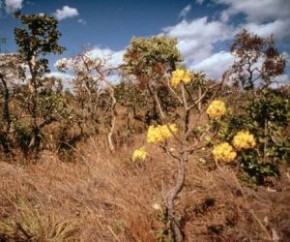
<point>151,61</point>
<point>90,84</point>
<point>154,62</point>
<point>257,59</point>
<point>37,37</point>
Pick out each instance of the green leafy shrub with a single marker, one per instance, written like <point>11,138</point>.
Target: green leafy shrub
<point>267,117</point>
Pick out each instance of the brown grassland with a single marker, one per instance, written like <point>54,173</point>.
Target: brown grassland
<point>100,196</point>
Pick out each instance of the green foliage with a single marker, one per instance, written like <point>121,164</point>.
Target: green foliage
<point>22,135</point>
<point>131,94</point>
<point>270,117</point>
<point>256,168</point>
<point>147,57</point>
<point>52,102</point>
<point>150,61</point>
<point>271,107</point>
<point>39,35</point>
<point>267,116</point>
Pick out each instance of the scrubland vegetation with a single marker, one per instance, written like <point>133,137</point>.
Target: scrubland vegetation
<point>165,154</point>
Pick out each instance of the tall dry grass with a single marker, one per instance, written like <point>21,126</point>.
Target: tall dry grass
<point>100,196</point>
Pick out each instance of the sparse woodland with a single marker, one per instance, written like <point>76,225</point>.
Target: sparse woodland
<point>164,154</point>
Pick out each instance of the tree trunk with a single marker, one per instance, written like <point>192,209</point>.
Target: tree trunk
<point>172,195</point>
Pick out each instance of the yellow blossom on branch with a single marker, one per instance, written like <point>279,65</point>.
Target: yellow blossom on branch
<point>244,140</point>
<point>224,152</point>
<point>216,109</point>
<point>179,76</point>
<point>187,77</point>
<point>160,133</point>
<point>139,154</point>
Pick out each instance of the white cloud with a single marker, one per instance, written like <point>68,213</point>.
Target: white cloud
<point>279,28</point>
<point>12,6</point>
<point>257,11</point>
<point>215,65</point>
<point>185,11</point>
<point>66,12</point>
<point>263,17</point>
<point>82,21</point>
<point>196,39</point>
<point>225,16</point>
<point>200,2</point>
<point>281,80</point>
<point>61,75</point>
<point>113,58</point>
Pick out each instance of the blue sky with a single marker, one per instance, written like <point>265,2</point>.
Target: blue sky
<point>204,28</point>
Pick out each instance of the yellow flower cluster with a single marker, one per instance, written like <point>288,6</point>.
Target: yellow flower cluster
<point>244,140</point>
<point>179,76</point>
<point>159,133</point>
<point>216,109</point>
<point>224,152</point>
<point>139,154</point>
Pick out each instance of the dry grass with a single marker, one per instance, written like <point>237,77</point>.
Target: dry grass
<point>105,197</point>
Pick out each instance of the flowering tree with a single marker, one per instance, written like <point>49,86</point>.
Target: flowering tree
<point>174,138</point>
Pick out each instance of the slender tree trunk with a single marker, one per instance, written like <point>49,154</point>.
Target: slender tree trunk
<point>172,195</point>
<point>34,145</point>
<point>113,120</point>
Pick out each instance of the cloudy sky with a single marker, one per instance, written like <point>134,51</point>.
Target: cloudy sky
<point>204,28</point>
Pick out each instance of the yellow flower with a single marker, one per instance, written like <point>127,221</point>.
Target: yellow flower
<point>224,152</point>
<point>159,133</point>
<point>216,109</point>
<point>139,154</point>
<point>153,135</point>
<point>244,140</point>
<point>178,73</point>
<point>179,76</point>
<point>187,77</point>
